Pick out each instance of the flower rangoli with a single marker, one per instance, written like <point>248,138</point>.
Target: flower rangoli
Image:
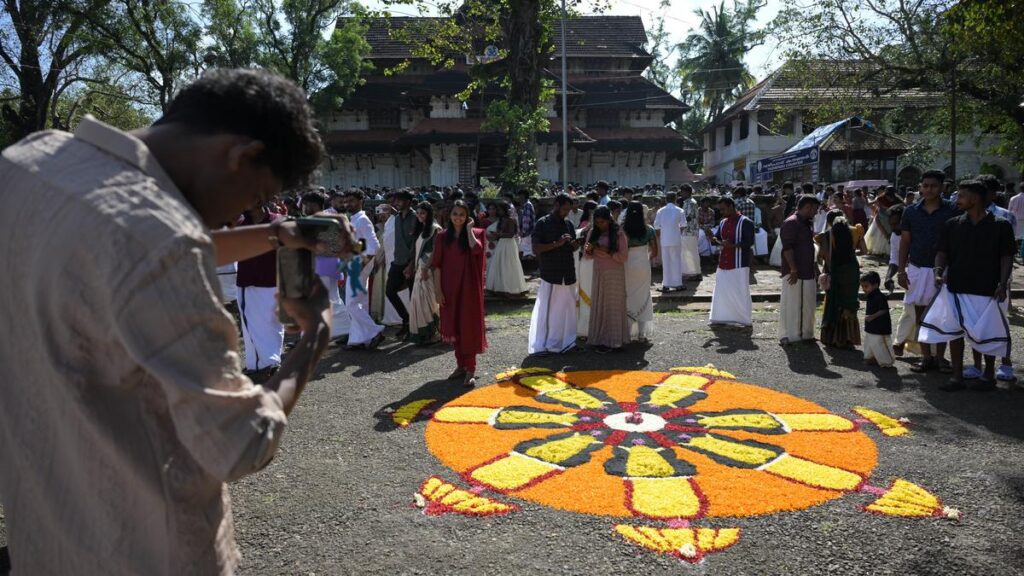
<point>670,447</point>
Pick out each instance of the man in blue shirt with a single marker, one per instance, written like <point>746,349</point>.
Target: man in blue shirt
<point>921,225</point>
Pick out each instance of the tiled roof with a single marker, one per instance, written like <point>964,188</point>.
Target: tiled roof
<point>807,84</point>
<point>862,140</point>
<point>588,36</point>
<point>628,92</point>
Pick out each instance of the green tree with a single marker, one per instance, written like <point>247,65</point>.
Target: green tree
<point>711,57</point>
<point>968,54</point>
<point>155,41</point>
<point>233,33</point>
<point>107,102</point>
<point>292,33</point>
<point>42,46</point>
<point>663,71</point>
<point>523,32</point>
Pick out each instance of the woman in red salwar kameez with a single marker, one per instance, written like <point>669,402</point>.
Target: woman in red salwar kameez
<point>459,282</point>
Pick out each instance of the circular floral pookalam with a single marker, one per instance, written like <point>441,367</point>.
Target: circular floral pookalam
<point>665,446</point>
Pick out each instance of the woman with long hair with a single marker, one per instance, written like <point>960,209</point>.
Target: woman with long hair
<point>504,271</point>
<point>608,249</point>
<point>584,272</point>
<point>839,325</point>
<point>643,245</point>
<point>458,264</point>
<point>424,311</point>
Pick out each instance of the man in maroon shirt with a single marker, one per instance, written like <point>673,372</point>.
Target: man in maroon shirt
<point>262,333</point>
<point>799,272</point>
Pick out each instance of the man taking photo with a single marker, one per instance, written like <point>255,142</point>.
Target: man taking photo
<point>124,409</point>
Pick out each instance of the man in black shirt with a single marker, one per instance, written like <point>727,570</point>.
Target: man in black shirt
<point>978,248</point>
<point>553,326</point>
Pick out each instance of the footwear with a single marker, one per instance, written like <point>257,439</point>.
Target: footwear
<point>372,344</point>
<point>871,362</point>
<point>602,349</point>
<point>945,367</point>
<point>1005,374</point>
<point>897,350</point>
<point>459,373</point>
<point>470,381</point>
<point>972,373</point>
<point>954,385</point>
<point>403,332</point>
<point>924,366</point>
<point>983,385</point>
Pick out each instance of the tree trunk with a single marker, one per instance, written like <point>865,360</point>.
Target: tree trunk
<point>523,30</point>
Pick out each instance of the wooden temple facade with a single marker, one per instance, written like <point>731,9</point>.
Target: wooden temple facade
<point>411,129</point>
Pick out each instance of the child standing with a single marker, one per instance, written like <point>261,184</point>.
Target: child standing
<point>877,323</point>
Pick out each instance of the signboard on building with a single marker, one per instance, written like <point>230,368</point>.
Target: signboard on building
<point>763,169</point>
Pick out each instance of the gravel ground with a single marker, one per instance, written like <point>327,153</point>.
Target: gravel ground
<point>338,497</point>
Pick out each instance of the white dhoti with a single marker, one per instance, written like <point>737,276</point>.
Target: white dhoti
<point>639,306</point>
<point>761,242</point>
<point>906,330</point>
<point>586,283</point>
<point>227,274</point>
<point>340,319</point>
<point>526,246</point>
<point>922,286</point>
<point>553,325</point>
<point>775,259</point>
<point>730,304</point>
<point>878,347</point>
<point>876,241</point>
<point>262,332</point>
<point>361,327</point>
<point>980,320</point>
<point>796,310</point>
<point>691,256</point>
<point>671,266</point>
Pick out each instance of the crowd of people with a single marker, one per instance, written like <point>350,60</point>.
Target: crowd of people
<point>594,255</point>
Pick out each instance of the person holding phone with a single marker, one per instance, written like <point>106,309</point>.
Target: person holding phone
<point>124,406</point>
<point>459,284</point>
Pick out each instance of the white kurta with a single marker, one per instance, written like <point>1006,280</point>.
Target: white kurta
<point>554,322</point>
<point>981,320</point>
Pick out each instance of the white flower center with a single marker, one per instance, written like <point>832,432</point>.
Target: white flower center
<point>635,422</point>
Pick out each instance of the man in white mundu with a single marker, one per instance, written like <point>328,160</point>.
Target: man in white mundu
<point>730,303</point>
<point>920,226</point>
<point>668,223</point>
<point>978,248</point>
<point>553,324</point>
<point>364,332</point>
<point>688,242</point>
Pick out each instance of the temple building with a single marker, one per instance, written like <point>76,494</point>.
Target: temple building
<point>411,129</point>
<point>777,117</point>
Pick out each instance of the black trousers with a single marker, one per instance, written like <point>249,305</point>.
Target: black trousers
<point>396,283</point>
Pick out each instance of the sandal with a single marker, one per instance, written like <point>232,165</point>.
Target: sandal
<point>470,381</point>
<point>924,366</point>
<point>459,373</point>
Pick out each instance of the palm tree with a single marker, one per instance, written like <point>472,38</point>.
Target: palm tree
<point>711,59</point>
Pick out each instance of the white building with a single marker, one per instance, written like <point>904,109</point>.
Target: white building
<point>773,116</point>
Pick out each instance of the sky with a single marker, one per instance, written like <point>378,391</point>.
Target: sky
<point>680,18</point>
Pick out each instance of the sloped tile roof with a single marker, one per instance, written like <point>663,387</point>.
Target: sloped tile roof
<point>811,83</point>
<point>588,36</point>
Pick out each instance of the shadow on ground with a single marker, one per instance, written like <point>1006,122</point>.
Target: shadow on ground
<point>440,391</point>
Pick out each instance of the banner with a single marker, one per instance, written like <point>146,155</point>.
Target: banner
<point>763,169</point>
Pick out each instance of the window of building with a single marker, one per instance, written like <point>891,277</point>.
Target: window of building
<point>598,118</point>
<point>744,126</point>
<point>728,134</point>
<point>384,118</point>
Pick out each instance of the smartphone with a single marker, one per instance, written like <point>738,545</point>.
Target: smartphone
<point>296,274</point>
